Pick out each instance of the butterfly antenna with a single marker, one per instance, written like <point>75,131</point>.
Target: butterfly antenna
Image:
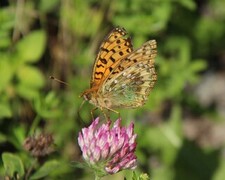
<point>53,78</point>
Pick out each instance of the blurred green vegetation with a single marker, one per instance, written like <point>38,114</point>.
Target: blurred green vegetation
<point>179,135</point>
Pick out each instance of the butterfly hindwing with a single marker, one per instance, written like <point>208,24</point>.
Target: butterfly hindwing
<point>131,86</point>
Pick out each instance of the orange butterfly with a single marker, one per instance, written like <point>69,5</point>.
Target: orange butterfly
<point>122,77</point>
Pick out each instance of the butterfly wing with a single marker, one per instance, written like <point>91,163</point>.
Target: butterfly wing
<point>130,83</point>
<point>113,49</point>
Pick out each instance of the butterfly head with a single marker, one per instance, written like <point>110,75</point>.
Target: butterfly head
<point>95,99</point>
<point>90,95</point>
<point>86,95</point>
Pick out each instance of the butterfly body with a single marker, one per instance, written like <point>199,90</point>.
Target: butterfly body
<point>122,77</point>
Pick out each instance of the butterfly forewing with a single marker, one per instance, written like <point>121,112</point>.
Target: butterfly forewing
<point>113,49</point>
<point>146,52</point>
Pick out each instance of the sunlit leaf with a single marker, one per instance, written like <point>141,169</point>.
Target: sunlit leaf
<point>30,76</point>
<point>27,92</point>
<point>45,169</point>
<point>31,47</point>
<point>190,4</point>
<point>6,110</point>
<point>3,138</point>
<point>219,174</point>
<point>12,164</point>
<point>46,6</point>
<point>6,72</point>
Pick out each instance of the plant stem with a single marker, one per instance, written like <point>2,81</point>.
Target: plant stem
<point>34,125</point>
<point>30,169</point>
<point>97,177</point>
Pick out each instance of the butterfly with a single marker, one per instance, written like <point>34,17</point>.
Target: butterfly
<point>122,77</point>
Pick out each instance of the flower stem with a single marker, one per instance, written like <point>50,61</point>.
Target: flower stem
<point>97,177</point>
<point>30,169</point>
<point>34,125</point>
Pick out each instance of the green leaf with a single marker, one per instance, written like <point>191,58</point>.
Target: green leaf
<point>5,110</point>
<point>3,138</point>
<point>31,47</point>
<point>30,76</point>
<point>7,18</point>
<point>144,176</point>
<point>30,81</point>
<point>189,4</point>
<point>19,134</point>
<point>5,39</point>
<point>46,107</point>
<point>27,92</point>
<point>46,169</point>
<point>198,65</point>
<point>12,164</point>
<point>6,71</point>
<point>219,173</point>
<point>162,173</point>
<point>47,6</point>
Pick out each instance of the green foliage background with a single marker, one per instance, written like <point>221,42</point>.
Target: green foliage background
<point>176,131</point>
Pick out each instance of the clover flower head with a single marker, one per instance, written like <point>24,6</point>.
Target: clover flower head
<point>106,149</point>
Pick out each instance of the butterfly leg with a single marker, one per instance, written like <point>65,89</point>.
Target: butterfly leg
<point>92,112</point>
<point>105,115</point>
<point>114,112</point>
